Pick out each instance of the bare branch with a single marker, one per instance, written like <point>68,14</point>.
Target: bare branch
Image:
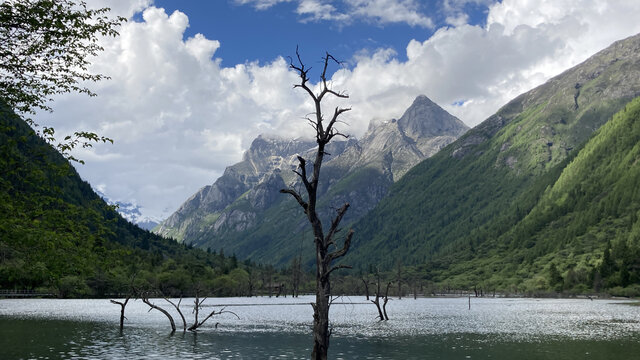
<point>145,299</point>
<point>345,247</point>
<point>302,72</point>
<point>196,325</point>
<point>337,267</point>
<point>298,198</point>
<point>330,131</point>
<point>122,307</point>
<point>177,307</point>
<point>303,173</point>
<point>336,222</point>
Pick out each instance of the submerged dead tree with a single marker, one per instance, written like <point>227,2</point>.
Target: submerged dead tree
<point>365,281</point>
<point>382,311</point>
<point>327,249</point>
<point>196,310</point>
<point>145,299</point>
<point>177,307</point>
<point>123,305</point>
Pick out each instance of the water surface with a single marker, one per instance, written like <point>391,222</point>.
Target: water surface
<point>279,328</point>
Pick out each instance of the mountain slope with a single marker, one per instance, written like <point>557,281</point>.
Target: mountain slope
<point>256,221</point>
<point>58,235</point>
<point>450,208</point>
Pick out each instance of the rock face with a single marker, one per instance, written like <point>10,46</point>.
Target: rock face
<point>397,145</point>
<point>244,213</point>
<point>258,171</point>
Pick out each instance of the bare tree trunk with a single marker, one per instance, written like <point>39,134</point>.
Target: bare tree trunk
<point>122,306</point>
<point>325,131</point>
<point>165,312</point>
<point>366,287</point>
<point>321,333</point>
<point>382,312</point>
<point>377,303</point>
<point>196,309</point>
<point>177,306</point>
<point>386,299</point>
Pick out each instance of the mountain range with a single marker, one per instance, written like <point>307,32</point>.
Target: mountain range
<point>244,213</point>
<point>527,199</point>
<point>131,212</point>
<point>542,196</point>
<point>530,189</point>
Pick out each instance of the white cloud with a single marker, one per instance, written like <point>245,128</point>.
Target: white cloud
<point>261,4</point>
<point>345,12</point>
<point>317,10</point>
<point>179,117</point>
<point>390,11</point>
<point>524,44</point>
<point>124,8</point>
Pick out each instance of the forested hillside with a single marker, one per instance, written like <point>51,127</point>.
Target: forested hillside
<point>480,212</point>
<point>58,236</point>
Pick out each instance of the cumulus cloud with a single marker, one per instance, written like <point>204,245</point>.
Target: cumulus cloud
<point>473,70</point>
<point>179,117</point>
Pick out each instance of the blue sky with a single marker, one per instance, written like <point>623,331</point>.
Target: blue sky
<point>194,82</point>
<point>249,34</point>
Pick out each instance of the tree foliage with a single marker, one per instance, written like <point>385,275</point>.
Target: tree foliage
<point>45,46</point>
<point>45,50</point>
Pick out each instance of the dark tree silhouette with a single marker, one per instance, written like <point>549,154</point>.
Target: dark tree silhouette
<point>327,250</point>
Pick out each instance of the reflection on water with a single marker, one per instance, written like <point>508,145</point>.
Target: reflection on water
<point>280,329</point>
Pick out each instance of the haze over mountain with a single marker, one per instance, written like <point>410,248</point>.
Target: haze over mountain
<point>131,211</point>
<point>243,211</point>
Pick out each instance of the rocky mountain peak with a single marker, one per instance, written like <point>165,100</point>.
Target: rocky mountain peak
<point>265,146</point>
<point>356,171</point>
<point>424,118</point>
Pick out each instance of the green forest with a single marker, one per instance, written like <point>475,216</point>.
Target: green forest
<point>58,237</point>
<point>574,230</point>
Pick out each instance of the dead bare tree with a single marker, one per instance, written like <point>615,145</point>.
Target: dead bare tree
<point>382,311</point>
<point>196,310</point>
<point>122,304</point>
<point>327,249</point>
<point>177,307</point>
<point>145,299</point>
<point>365,281</point>
<point>386,300</point>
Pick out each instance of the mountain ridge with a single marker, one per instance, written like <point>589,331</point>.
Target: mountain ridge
<point>357,171</point>
<point>480,186</point>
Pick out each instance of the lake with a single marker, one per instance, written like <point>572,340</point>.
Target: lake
<point>280,328</point>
